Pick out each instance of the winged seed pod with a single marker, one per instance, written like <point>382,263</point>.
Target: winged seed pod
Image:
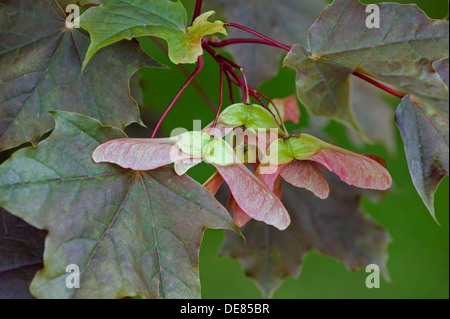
<point>298,159</point>
<point>255,198</point>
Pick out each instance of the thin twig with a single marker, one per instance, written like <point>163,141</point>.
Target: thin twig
<point>199,67</point>
<point>247,90</point>
<point>187,73</point>
<point>197,10</point>
<point>276,109</point>
<point>247,95</point>
<point>379,85</point>
<point>268,41</point>
<point>220,96</point>
<point>230,86</point>
<point>259,35</point>
<point>222,43</point>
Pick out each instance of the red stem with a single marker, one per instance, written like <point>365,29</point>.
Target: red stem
<point>230,86</point>
<point>241,83</point>
<point>246,89</point>
<point>234,65</point>
<point>222,60</point>
<point>222,43</point>
<point>262,36</point>
<point>268,41</point>
<point>379,85</point>
<point>197,10</point>
<point>221,96</point>
<point>276,109</point>
<point>187,73</point>
<point>199,67</point>
<point>232,79</point>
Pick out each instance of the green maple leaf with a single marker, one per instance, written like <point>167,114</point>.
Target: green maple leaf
<point>131,233</point>
<point>21,255</point>
<point>336,227</point>
<point>116,20</point>
<point>399,53</point>
<point>40,70</point>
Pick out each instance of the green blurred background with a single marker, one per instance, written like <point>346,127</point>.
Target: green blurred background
<point>419,254</point>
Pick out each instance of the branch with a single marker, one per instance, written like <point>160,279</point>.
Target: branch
<point>222,43</point>
<point>230,86</point>
<point>276,109</point>
<point>197,10</point>
<point>379,85</point>
<point>221,96</point>
<point>268,41</point>
<point>199,67</point>
<point>186,73</point>
<point>247,91</point>
<point>259,35</point>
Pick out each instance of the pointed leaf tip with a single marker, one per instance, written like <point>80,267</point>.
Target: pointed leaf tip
<point>425,138</point>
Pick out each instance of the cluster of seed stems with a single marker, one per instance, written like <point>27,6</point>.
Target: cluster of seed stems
<point>235,74</point>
